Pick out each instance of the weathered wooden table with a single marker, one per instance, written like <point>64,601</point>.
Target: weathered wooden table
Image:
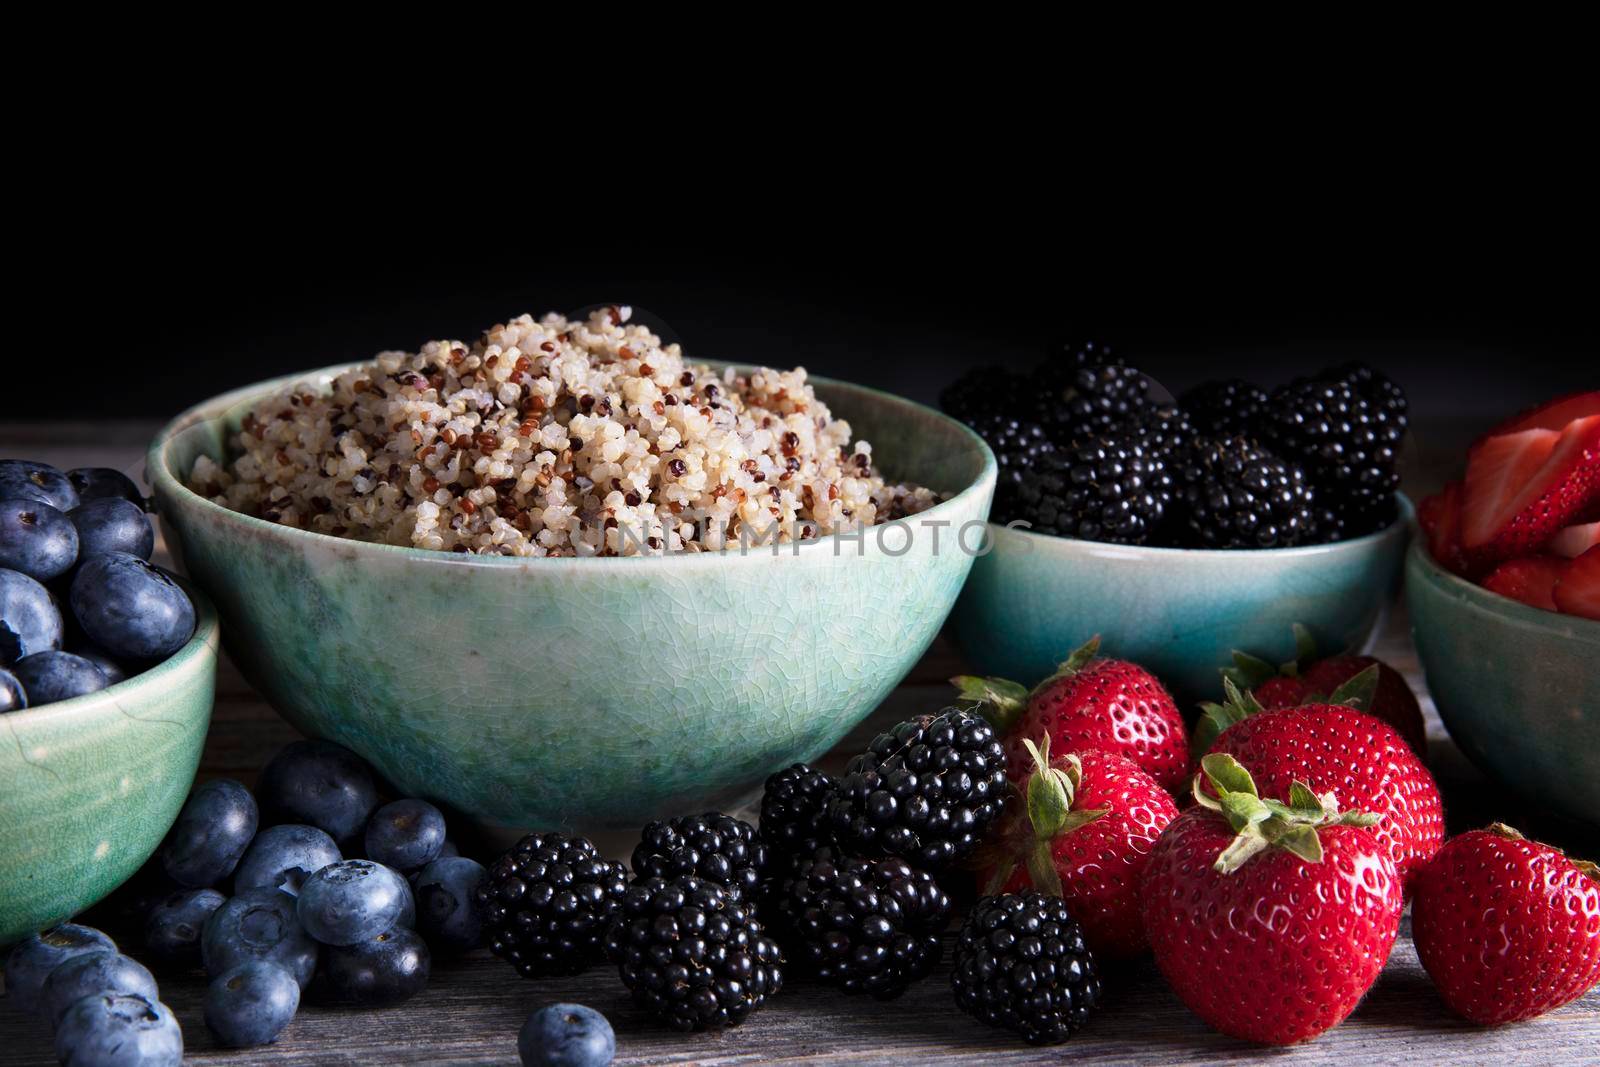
<point>472,1008</point>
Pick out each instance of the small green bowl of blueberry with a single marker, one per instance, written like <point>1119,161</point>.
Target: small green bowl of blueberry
<point>107,673</point>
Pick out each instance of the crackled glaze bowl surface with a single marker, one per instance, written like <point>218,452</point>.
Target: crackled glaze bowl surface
<point>1179,612</point>
<point>1518,688</point>
<point>582,693</point>
<point>90,786</point>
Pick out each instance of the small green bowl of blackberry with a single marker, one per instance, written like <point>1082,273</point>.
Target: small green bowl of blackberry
<point>1180,530</point>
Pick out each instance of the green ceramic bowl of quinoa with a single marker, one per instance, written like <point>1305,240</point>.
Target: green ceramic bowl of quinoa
<point>90,786</point>
<point>509,573</point>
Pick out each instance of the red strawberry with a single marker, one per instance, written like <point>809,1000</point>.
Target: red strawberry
<point>1269,920</point>
<point>1574,541</point>
<point>1283,691</point>
<point>1579,590</point>
<point>1507,928</point>
<point>1522,488</point>
<point>1089,824</point>
<point>1531,581</point>
<point>1440,516</point>
<point>1090,704</point>
<point>1551,415</point>
<point>1358,756</point>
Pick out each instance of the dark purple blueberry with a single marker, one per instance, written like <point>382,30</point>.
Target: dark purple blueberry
<point>31,962</point>
<point>36,481</point>
<point>283,857</point>
<point>95,974</point>
<point>36,539</point>
<point>48,677</point>
<point>320,784</point>
<point>112,1031</point>
<point>405,835</point>
<point>112,524</point>
<point>113,670</point>
<point>12,696</point>
<point>448,916</point>
<point>129,608</point>
<point>386,969</point>
<point>250,1004</point>
<point>29,619</point>
<point>213,830</point>
<point>172,930</point>
<point>258,924</point>
<point>352,901</point>
<point>566,1035</point>
<point>100,483</point>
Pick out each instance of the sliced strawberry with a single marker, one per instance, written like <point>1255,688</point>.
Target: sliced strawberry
<point>1521,488</point>
<point>1530,581</point>
<point>1578,592</point>
<point>1574,541</point>
<point>1551,415</point>
<point>1440,516</point>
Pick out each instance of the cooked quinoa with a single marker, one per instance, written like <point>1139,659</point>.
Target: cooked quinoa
<point>550,437</point>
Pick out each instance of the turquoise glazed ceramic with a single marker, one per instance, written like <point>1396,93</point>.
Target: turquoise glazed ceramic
<point>1518,688</point>
<point>585,693</point>
<point>1179,612</point>
<point>90,786</point>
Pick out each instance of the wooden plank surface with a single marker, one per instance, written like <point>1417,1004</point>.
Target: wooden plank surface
<point>472,1008</point>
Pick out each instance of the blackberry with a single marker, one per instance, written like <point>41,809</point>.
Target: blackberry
<point>1374,385</point>
<point>1347,443</point>
<point>713,846</point>
<point>547,902</point>
<point>868,926</point>
<point>794,811</point>
<point>694,956</point>
<point>926,791</point>
<point>1108,488</point>
<point>1226,408</point>
<point>1084,390</point>
<point>1021,963</point>
<point>1234,494</point>
<point>1163,430</point>
<point>984,391</point>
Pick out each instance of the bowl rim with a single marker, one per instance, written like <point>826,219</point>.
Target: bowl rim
<point>163,482</point>
<point>1405,520</point>
<point>204,637</point>
<point>1477,596</point>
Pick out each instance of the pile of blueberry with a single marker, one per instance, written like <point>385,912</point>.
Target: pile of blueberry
<point>307,888</point>
<point>81,608</point>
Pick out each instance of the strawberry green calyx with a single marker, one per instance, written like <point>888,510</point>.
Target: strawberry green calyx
<point>1000,701</point>
<point>1075,662</point>
<point>1358,692</point>
<point>1239,705</point>
<point>1049,796</point>
<point>1258,823</point>
<point>1250,671</point>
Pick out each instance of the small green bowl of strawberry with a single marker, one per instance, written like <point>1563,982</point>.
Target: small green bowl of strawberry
<point>1504,594</point>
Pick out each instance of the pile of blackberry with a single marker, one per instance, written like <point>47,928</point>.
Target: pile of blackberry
<point>1085,452</point>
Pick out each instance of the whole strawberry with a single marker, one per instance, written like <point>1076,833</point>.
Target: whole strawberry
<point>1083,835</point>
<point>1334,747</point>
<point>1270,920</point>
<point>1507,928</point>
<point>1091,704</point>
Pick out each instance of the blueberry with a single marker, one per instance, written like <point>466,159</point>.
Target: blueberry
<point>109,667</point>
<point>12,696</point>
<point>36,539</point>
<point>250,1004</point>
<point>447,913</point>
<point>283,857</point>
<point>29,619</point>
<point>112,524</point>
<point>100,483</point>
<point>37,481</point>
<point>321,784</point>
<point>386,969</point>
<point>131,609</point>
<point>51,676</point>
<point>566,1035</point>
<point>172,930</point>
<point>405,835</point>
<point>214,828</point>
<point>448,849</point>
<point>95,974</point>
<point>258,924</point>
<point>31,962</point>
<point>351,901</point>
<point>112,1031</point>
